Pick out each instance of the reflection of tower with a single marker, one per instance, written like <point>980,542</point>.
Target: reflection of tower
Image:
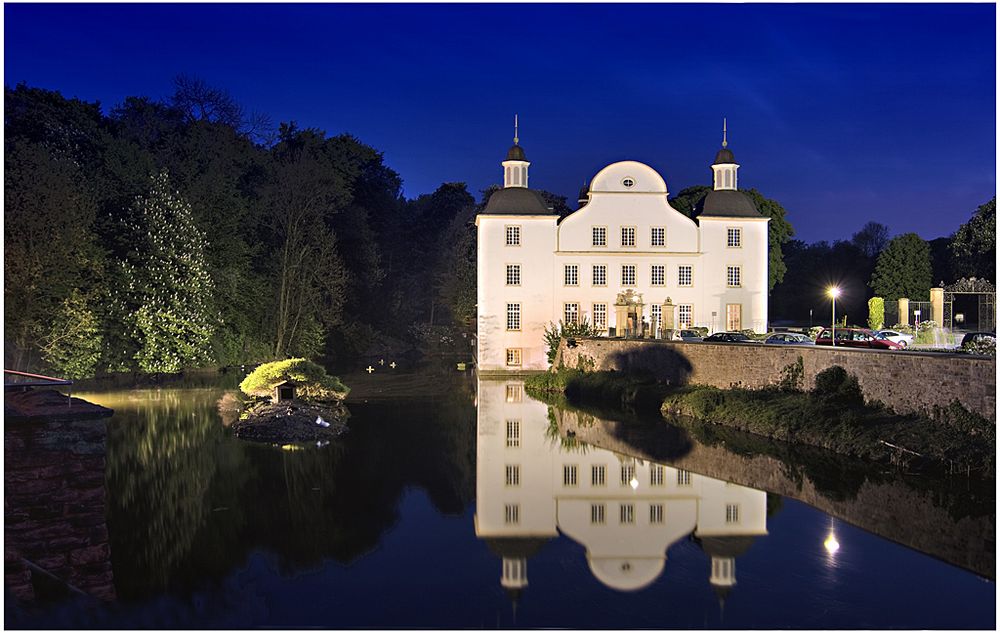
<point>515,514</point>
<point>723,550</point>
<point>514,554</point>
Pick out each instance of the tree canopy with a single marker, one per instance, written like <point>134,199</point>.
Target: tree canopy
<point>903,269</point>
<point>974,246</point>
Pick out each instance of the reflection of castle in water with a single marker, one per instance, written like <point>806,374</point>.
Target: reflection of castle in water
<point>626,512</point>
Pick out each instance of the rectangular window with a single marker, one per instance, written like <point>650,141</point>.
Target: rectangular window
<point>657,236</point>
<point>628,275</point>
<point>655,313</point>
<point>657,274</point>
<point>512,475</point>
<point>597,475</point>
<point>600,316</point>
<point>513,274</point>
<point>684,315</point>
<point>511,514</point>
<point>513,317</point>
<point>628,473</point>
<point>513,357</point>
<point>571,275</point>
<point>597,513</point>
<point>734,317</point>
<point>513,234</point>
<point>656,513</point>
<point>514,393</point>
<point>683,478</point>
<point>683,275</point>
<point>626,513</point>
<point>571,313</point>
<point>733,274</point>
<point>569,475</point>
<point>734,238</point>
<point>656,475</point>
<point>600,275</point>
<point>600,236</point>
<point>628,236</point>
<point>732,513</point>
<point>513,433</point>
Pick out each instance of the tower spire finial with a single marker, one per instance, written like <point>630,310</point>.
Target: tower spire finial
<point>515,129</point>
<point>724,143</point>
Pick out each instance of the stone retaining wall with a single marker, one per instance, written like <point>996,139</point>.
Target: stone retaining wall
<point>906,381</point>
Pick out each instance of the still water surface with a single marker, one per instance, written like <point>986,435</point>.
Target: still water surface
<point>481,507</point>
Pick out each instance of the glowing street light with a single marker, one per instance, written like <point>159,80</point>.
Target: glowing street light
<point>833,292</point>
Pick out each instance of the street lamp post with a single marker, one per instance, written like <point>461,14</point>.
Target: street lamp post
<point>833,292</point>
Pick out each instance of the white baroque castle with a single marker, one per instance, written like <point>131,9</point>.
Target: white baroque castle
<point>625,261</point>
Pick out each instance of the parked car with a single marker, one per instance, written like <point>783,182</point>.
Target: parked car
<point>690,335</point>
<point>903,340</point>
<point>975,337</point>
<point>788,338</point>
<point>728,337</point>
<point>856,337</point>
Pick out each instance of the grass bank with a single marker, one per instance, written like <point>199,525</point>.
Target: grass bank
<point>835,416</point>
<point>608,388</point>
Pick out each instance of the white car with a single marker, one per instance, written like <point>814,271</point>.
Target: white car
<point>903,340</point>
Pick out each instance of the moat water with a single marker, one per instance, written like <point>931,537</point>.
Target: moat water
<point>474,506</point>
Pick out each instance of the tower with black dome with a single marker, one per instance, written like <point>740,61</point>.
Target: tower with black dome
<point>725,167</point>
<point>515,166</point>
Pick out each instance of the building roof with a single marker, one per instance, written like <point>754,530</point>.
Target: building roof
<point>726,546</point>
<point>727,204</point>
<point>515,546</point>
<point>517,201</point>
<point>724,157</point>
<point>516,152</point>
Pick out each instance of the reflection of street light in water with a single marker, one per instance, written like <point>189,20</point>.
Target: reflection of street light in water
<point>831,543</point>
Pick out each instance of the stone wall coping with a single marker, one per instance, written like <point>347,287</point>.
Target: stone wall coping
<point>808,348</point>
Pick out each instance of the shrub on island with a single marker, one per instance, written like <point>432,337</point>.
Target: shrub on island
<point>311,380</point>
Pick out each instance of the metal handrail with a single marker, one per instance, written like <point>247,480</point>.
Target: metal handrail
<point>41,381</point>
<point>50,379</point>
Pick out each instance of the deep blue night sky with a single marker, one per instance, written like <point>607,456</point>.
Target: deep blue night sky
<point>843,113</point>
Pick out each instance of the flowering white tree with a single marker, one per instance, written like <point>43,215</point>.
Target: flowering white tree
<point>165,298</point>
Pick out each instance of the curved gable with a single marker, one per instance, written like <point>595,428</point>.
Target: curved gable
<point>612,179</point>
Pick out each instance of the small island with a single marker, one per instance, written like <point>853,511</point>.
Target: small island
<point>292,400</point>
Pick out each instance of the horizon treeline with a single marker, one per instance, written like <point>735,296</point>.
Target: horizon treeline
<point>185,233</point>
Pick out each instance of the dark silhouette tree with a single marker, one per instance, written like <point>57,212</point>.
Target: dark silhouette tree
<point>903,269</point>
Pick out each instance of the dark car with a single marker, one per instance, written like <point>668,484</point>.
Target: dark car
<point>728,337</point>
<point>975,337</point>
<point>856,337</point>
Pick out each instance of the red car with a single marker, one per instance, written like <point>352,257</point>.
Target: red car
<point>856,337</point>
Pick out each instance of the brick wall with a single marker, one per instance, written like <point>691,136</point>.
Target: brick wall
<point>55,504</point>
<point>906,381</point>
